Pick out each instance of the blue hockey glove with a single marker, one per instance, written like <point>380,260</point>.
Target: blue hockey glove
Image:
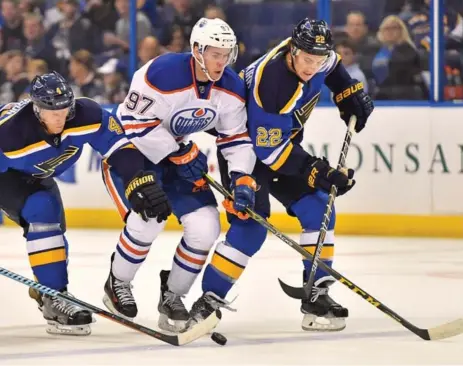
<point>354,101</point>
<point>243,187</point>
<point>191,163</point>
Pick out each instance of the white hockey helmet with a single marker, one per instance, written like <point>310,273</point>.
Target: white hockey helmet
<point>214,33</point>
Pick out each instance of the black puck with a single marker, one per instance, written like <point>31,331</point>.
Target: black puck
<point>219,338</point>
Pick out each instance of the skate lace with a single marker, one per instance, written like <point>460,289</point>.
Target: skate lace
<point>65,307</point>
<point>174,301</point>
<point>123,291</point>
<point>217,303</point>
<point>317,292</point>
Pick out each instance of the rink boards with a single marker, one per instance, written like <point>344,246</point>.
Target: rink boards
<point>409,172</point>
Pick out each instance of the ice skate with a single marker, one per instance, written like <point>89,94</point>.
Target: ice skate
<point>173,315</point>
<point>321,312</point>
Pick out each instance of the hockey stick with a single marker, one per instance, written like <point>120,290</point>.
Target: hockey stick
<point>180,339</point>
<point>307,288</point>
<point>440,332</point>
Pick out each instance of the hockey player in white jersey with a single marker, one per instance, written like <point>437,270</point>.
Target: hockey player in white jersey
<point>171,97</point>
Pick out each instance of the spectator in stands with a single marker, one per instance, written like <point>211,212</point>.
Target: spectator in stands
<point>102,14</point>
<point>396,66</point>
<point>349,59</point>
<point>115,87</point>
<point>36,45</point>
<point>34,67</point>
<point>213,11</point>
<point>182,13</point>
<point>29,6</point>
<point>74,32</point>
<point>177,41</point>
<point>366,45</point>
<point>15,77</point>
<point>420,27</point>
<point>12,29</point>
<point>121,38</point>
<point>84,81</point>
<point>148,49</point>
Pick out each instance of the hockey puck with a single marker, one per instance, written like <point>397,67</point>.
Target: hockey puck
<point>219,338</point>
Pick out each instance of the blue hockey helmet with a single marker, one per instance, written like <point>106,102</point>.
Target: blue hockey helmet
<point>313,37</point>
<point>52,91</point>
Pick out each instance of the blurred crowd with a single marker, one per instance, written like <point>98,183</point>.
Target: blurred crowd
<point>88,42</point>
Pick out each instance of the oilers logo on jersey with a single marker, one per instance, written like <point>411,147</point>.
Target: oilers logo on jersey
<point>191,120</point>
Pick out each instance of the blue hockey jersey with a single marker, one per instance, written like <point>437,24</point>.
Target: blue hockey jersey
<point>26,147</point>
<point>279,104</point>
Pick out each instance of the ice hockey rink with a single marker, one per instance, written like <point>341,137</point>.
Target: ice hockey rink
<point>421,279</point>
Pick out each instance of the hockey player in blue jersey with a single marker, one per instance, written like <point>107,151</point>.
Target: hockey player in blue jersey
<point>283,87</point>
<point>40,138</point>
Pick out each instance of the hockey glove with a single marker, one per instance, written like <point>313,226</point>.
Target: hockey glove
<point>147,197</point>
<point>354,101</point>
<point>243,189</point>
<point>321,175</point>
<point>191,163</point>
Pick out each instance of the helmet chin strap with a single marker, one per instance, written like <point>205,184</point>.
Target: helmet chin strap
<point>203,67</point>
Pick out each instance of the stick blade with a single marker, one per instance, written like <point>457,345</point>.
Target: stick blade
<point>200,329</point>
<point>294,292</point>
<point>447,330</point>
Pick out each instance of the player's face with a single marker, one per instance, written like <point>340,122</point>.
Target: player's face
<point>215,60</point>
<point>306,65</point>
<point>54,120</point>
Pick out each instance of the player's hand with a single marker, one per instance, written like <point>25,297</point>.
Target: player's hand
<point>354,101</point>
<point>243,187</point>
<point>320,175</point>
<point>191,163</point>
<point>147,197</point>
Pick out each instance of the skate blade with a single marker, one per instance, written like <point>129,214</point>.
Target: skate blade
<point>56,328</point>
<point>109,305</point>
<point>313,323</point>
<point>172,326</point>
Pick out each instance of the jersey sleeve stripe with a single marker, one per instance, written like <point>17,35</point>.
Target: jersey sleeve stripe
<point>26,150</point>
<point>127,117</point>
<point>260,69</point>
<point>223,140</point>
<point>335,63</point>
<point>283,157</point>
<point>229,92</point>
<point>292,102</point>
<point>77,131</point>
<point>234,143</point>
<point>137,126</point>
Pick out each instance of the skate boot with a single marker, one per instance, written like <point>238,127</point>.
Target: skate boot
<point>65,318</point>
<point>206,305</point>
<point>321,312</point>
<point>173,315</point>
<point>118,297</point>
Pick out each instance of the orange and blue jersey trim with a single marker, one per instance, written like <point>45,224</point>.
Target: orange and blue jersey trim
<point>111,186</point>
<point>224,142</point>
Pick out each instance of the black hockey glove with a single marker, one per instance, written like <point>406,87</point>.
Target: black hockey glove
<point>147,197</point>
<point>321,175</point>
<point>354,101</point>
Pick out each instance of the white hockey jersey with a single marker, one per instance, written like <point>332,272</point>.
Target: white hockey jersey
<point>166,103</point>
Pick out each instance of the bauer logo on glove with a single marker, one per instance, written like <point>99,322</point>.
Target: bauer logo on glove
<point>346,93</point>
